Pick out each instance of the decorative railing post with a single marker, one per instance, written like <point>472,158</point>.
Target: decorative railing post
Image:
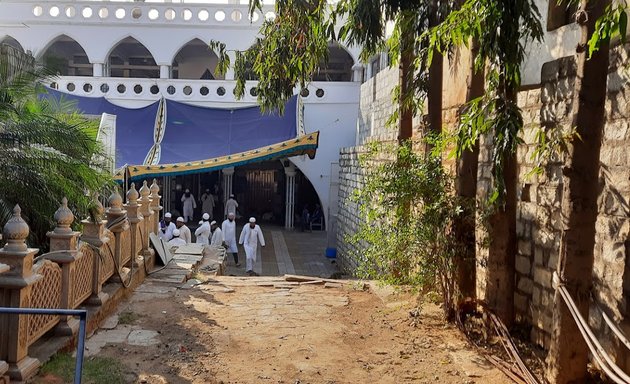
<point>94,234</point>
<point>117,223</point>
<point>15,291</point>
<point>135,218</point>
<point>155,205</point>
<point>63,251</point>
<point>147,213</point>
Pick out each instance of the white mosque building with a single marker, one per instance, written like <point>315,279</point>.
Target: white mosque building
<point>147,67</point>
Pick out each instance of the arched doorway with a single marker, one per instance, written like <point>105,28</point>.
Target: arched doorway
<point>196,61</point>
<point>129,58</point>
<point>338,67</point>
<point>65,57</point>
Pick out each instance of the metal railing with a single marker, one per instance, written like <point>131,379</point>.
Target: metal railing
<point>80,313</point>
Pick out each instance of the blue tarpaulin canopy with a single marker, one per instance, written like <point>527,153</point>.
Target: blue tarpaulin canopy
<point>171,135</point>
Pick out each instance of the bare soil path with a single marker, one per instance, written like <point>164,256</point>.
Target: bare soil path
<point>246,330</point>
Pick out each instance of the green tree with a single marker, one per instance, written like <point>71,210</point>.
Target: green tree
<point>501,30</point>
<point>47,150</point>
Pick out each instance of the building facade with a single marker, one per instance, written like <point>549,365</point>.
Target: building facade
<point>134,53</point>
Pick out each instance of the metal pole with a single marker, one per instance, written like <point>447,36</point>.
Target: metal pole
<point>81,313</point>
<point>78,368</point>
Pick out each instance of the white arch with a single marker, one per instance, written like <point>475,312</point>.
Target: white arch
<point>44,49</point>
<point>9,37</point>
<point>117,43</point>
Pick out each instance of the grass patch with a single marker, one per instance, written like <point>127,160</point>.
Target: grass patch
<point>127,317</point>
<point>96,370</point>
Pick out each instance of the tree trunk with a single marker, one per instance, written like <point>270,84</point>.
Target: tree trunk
<point>566,361</point>
<point>434,92</point>
<point>466,188</point>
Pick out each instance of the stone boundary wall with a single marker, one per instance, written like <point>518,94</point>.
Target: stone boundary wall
<point>540,196</point>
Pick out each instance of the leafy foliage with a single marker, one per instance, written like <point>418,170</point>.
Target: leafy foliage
<point>290,50</point>
<point>502,30</point>
<point>397,248</point>
<point>47,150</point>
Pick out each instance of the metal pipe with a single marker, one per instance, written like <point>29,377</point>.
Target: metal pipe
<point>81,313</point>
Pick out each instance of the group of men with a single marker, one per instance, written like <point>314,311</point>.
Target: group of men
<point>208,202</point>
<point>209,233</point>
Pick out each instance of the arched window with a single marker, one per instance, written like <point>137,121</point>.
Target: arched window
<point>129,58</point>
<point>338,67</point>
<point>8,40</point>
<point>195,61</point>
<point>65,57</point>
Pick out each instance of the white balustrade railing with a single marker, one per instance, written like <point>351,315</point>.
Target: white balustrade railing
<point>215,13</point>
<point>198,91</point>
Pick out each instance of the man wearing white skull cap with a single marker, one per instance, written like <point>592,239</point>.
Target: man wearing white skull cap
<point>250,237</point>
<point>166,227</point>
<point>184,230</point>
<point>203,232</point>
<point>229,236</point>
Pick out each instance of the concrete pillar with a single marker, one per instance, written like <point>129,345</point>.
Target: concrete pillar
<point>63,248</point>
<point>229,74</point>
<point>228,174</point>
<point>94,234</point>
<point>115,214</point>
<point>165,71</point>
<point>97,69</point>
<point>135,218</point>
<point>15,291</point>
<point>289,202</point>
<point>147,213</point>
<point>357,73</point>
<point>155,205</point>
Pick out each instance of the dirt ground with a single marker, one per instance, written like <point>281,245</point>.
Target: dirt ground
<point>245,330</point>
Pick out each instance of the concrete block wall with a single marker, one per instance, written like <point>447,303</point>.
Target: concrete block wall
<point>549,105</point>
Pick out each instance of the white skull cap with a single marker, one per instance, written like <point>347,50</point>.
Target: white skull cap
<point>176,232</point>
<point>231,214</point>
<point>252,219</point>
<point>180,219</point>
<point>205,216</point>
<point>213,222</point>
<point>168,215</point>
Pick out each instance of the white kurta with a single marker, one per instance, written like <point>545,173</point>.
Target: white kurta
<point>189,206</point>
<point>229,235</point>
<point>203,233</point>
<point>167,233</point>
<point>230,206</point>
<point>250,237</point>
<point>176,242</point>
<point>207,205</point>
<point>184,234</point>
<point>217,238</point>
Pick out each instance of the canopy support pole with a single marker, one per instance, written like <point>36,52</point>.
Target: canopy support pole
<point>289,203</point>
<point>228,174</point>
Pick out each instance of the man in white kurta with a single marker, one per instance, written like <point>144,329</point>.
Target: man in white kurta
<point>189,205</point>
<point>183,230</point>
<point>203,232</point>
<point>229,236</point>
<point>176,241</point>
<point>166,227</point>
<point>217,235</point>
<point>250,236</point>
<point>207,203</point>
<point>231,206</point>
